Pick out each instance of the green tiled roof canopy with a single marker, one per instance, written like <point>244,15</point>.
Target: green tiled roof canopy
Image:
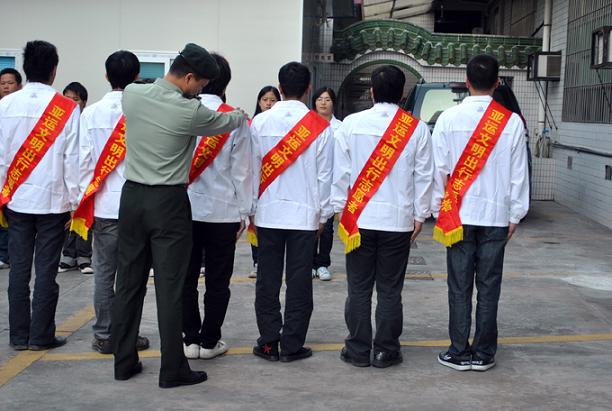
<point>435,48</point>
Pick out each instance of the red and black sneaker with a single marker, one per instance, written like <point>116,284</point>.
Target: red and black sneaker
<point>268,351</point>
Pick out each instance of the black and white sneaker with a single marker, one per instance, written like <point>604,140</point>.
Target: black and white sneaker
<point>448,360</point>
<point>479,364</point>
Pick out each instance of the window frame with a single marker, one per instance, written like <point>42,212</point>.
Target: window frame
<point>148,56</point>
<point>16,54</point>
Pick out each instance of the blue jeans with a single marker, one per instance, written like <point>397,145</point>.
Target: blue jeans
<point>479,256</point>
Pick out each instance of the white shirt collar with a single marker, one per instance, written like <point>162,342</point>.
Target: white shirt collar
<point>37,86</point>
<point>477,99</point>
<point>210,99</point>
<point>287,104</point>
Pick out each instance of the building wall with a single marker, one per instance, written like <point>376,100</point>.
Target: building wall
<point>583,188</point>
<point>256,37</point>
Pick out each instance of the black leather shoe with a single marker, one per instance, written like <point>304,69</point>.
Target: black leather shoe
<point>18,347</point>
<point>384,359</point>
<point>137,369</point>
<point>57,342</point>
<point>267,351</point>
<point>102,346</point>
<point>142,343</point>
<point>300,354</point>
<point>357,362</point>
<point>194,377</point>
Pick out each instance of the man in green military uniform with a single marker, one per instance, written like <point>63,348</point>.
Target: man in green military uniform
<point>162,122</point>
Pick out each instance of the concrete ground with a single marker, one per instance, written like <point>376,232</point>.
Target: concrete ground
<point>555,323</point>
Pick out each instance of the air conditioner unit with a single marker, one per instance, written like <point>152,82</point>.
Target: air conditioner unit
<point>544,65</point>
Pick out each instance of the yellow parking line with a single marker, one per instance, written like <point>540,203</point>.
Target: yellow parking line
<point>13,367</point>
<point>537,339</point>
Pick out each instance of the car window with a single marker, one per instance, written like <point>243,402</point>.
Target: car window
<point>436,101</point>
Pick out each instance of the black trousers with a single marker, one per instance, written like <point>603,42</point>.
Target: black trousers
<point>33,238</point>
<point>382,260</point>
<point>154,230</point>
<point>298,245</point>
<point>75,247</point>
<point>479,256</point>
<point>217,241</point>
<point>323,246</point>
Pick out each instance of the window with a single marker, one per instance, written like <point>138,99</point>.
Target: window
<point>7,62</point>
<point>584,95</point>
<point>436,101</point>
<point>10,58</point>
<point>154,64</point>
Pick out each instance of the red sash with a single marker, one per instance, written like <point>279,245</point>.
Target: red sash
<point>376,169</point>
<point>297,140</point>
<point>112,155</point>
<point>208,149</point>
<point>449,229</point>
<point>35,146</point>
<point>286,151</point>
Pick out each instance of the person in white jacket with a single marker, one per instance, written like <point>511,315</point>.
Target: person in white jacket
<point>221,201</point>
<point>40,207</point>
<point>389,222</point>
<point>489,211</point>
<point>97,123</point>
<point>287,215</point>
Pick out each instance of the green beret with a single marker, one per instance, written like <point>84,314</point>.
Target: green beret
<point>200,60</point>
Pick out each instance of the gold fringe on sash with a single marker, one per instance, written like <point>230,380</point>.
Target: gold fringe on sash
<point>351,242</point>
<point>252,238</point>
<point>78,226</point>
<point>3,220</point>
<point>449,238</point>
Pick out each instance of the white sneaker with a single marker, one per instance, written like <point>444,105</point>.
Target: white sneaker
<point>152,274</point>
<point>192,351</point>
<point>208,353</point>
<point>3,265</point>
<point>324,274</point>
<point>253,273</point>
<point>202,271</point>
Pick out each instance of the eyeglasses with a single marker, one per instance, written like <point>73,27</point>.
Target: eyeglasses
<point>323,100</point>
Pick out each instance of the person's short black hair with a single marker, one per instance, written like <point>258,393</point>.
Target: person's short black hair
<point>10,70</point>
<point>218,85</point>
<point>78,89</point>
<point>122,68</point>
<point>265,90</point>
<point>39,60</point>
<point>483,72</point>
<point>294,79</point>
<point>388,84</point>
<point>320,91</point>
<point>180,68</point>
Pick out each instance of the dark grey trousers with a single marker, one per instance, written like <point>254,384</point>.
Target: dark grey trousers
<point>106,232</point>
<point>480,257</point>
<point>298,245</point>
<point>381,260</point>
<point>34,238</point>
